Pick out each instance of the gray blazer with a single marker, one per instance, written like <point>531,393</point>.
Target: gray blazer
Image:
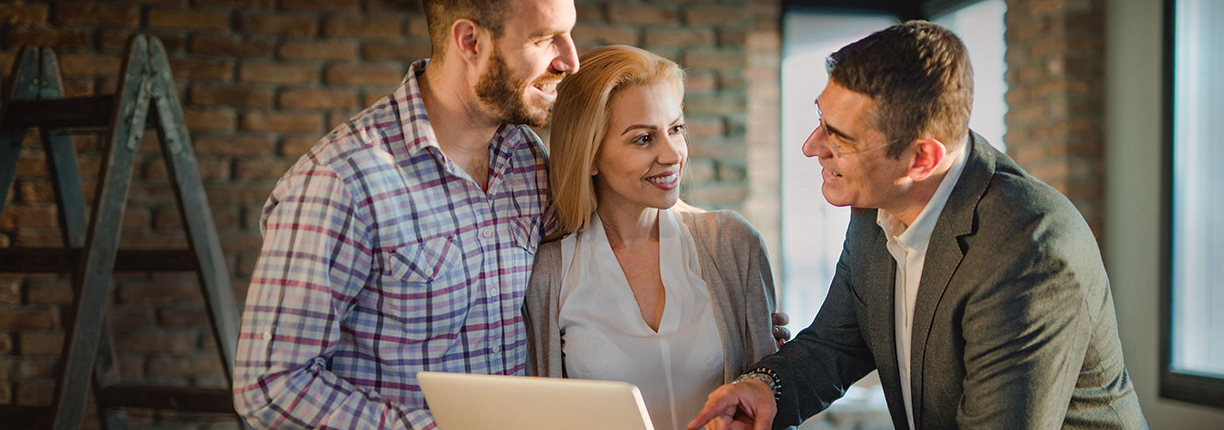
<point>1014,325</point>
<point>733,264</point>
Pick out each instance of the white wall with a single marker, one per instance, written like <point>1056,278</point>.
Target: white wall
<point>1133,133</point>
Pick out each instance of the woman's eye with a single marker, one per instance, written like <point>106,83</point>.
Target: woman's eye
<point>641,140</point>
<point>677,129</point>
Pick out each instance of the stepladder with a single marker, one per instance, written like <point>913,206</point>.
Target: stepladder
<point>145,98</point>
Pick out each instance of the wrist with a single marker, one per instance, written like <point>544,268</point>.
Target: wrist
<point>765,376</point>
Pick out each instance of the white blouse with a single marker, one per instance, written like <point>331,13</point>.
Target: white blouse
<point>603,335</point>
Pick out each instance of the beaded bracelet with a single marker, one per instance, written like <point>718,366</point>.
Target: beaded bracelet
<point>766,376</point>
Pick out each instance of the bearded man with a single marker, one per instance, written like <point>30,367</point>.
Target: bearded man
<point>404,239</point>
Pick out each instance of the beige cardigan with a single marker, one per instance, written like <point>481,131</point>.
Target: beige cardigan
<point>734,265</point>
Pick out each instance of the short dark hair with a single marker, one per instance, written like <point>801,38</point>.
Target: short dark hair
<point>918,76</point>
<point>441,14</point>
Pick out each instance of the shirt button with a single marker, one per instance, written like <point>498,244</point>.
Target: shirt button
<point>486,232</point>
<point>496,348</point>
<point>267,336</point>
<point>493,291</point>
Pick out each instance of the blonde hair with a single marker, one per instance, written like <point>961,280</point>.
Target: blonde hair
<point>581,119</point>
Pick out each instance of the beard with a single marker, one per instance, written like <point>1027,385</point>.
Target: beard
<point>503,94</point>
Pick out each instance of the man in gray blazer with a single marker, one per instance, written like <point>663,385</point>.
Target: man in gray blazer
<point>977,291</point>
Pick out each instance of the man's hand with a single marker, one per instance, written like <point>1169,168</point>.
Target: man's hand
<point>744,405</point>
<point>780,333</point>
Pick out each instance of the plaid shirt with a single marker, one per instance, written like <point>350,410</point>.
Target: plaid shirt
<point>382,258</point>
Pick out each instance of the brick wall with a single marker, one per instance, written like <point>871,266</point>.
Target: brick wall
<point>260,82</point>
<point>1056,78</point>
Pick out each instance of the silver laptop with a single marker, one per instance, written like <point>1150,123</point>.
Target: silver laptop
<point>462,401</point>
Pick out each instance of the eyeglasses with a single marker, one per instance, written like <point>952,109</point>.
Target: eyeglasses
<point>836,144</point>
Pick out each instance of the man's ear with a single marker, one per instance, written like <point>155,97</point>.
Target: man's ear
<point>466,38</point>
<point>928,153</point>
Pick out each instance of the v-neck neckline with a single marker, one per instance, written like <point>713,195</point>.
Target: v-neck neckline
<point>604,252</point>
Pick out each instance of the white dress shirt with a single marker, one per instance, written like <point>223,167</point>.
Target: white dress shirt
<point>603,335</point>
<point>908,246</point>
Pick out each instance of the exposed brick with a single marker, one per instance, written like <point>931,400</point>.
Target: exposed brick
<point>249,96</point>
<point>194,69</point>
<point>714,104</point>
<point>40,343</point>
<point>209,119</point>
<point>366,27</point>
<point>282,122</point>
<point>35,192</point>
<point>413,50</point>
<point>590,12</point>
<point>10,291</point>
<point>643,14</point>
<point>322,5</point>
<point>155,291</point>
<point>318,50</point>
<point>97,14</point>
<point>34,393</point>
<point>136,218</point>
<point>602,34</point>
<point>364,74</point>
<point>684,37</point>
<point>88,64</point>
<point>261,168</point>
<point>297,145</point>
<point>238,241</point>
<point>21,13</point>
<point>720,59</point>
<point>714,15</point>
<point>232,193</point>
<point>700,127</point>
<point>49,291</point>
<point>718,193</point>
<point>38,215</point>
<point>416,26</point>
<point>58,38</point>
<point>244,4</point>
<point>6,348</point>
<point>736,37</point>
<point>700,81</point>
<point>318,99</point>
<point>181,19</point>
<point>124,318</point>
<point>34,368</point>
<point>231,46</point>
<point>279,23</point>
<point>278,73</point>
<point>172,342</point>
<point>697,170</point>
<point>234,145</point>
<point>26,318</point>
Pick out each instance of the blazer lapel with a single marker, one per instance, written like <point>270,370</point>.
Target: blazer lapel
<point>874,281</point>
<point>944,255</point>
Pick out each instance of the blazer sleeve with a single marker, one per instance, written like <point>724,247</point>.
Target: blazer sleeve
<point>1027,329</point>
<point>824,359</point>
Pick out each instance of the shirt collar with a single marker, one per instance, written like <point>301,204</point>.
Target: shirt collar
<point>414,117</point>
<point>917,235</point>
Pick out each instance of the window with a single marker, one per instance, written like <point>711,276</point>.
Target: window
<point>1192,354</point>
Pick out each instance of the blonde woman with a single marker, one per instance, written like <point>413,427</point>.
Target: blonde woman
<point>677,302</point>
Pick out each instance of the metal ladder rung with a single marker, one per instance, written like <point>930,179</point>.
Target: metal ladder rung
<point>190,399</point>
<point>66,260</point>
<point>92,112</point>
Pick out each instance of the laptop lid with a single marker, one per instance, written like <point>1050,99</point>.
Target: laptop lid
<point>461,401</point>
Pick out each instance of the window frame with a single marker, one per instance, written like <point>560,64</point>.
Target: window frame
<point>1198,389</point>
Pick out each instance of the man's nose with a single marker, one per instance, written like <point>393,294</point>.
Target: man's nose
<point>567,57</point>
<point>816,145</point>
